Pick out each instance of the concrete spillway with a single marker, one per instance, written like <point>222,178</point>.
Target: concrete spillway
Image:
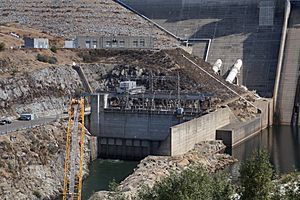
<point>290,70</point>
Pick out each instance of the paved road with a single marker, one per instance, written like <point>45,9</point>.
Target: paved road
<point>22,125</point>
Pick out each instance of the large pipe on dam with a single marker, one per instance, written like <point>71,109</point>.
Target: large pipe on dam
<point>217,66</point>
<point>234,71</point>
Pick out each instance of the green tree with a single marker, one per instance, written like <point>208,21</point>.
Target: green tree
<point>191,184</point>
<point>256,177</point>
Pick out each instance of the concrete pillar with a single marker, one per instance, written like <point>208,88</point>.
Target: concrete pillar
<point>98,104</point>
<point>103,101</point>
<point>95,114</point>
<point>93,148</point>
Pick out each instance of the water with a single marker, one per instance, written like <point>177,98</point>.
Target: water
<point>102,172</point>
<point>282,143</point>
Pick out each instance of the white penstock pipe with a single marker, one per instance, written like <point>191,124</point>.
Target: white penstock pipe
<point>234,71</point>
<point>217,66</point>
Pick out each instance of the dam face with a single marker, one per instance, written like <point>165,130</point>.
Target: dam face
<point>237,29</point>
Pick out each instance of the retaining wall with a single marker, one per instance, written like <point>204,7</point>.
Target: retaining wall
<point>235,133</point>
<point>184,136</point>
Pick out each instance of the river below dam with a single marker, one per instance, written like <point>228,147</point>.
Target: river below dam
<point>282,142</point>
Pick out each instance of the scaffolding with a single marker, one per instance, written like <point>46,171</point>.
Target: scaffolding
<point>73,164</point>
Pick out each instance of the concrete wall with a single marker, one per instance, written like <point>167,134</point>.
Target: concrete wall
<point>232,26</point>
<point>93,144</point>
<point>130,135</point>
<point>290,70</point>
<point>184,136</point>
<point>130,125</point>
<point>205,2</point>
<point>95,112</point>
<point>234,134</point>
<point>266,107</point>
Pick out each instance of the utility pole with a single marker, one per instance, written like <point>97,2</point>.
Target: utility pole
<point>178,91</point>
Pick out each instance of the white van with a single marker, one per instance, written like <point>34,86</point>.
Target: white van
<point>27,116</point>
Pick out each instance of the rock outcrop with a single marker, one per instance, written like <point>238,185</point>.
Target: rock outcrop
<point>44,90</point>
<point>32,161</point>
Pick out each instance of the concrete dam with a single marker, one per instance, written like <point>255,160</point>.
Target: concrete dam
<point>237,30</point>
<point>268,44</point>
<point>264,34</point>
<point>287,100</point>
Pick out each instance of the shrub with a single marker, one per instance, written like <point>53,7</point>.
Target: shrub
<point>194,183</point>
<point>53,49</point>
<point>42,58</point>
<point>46,59</point>
<point>116,193</point>
<point>52,60</point>
<point>2,46</point>
<point>288,187</point>
<point>37,194</point>
<point>256,177</point>
<point>14,70</point>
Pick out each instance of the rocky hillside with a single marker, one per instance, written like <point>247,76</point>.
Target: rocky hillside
<point>76,17</point>
<point>31,162</point>
<point>48,89</point>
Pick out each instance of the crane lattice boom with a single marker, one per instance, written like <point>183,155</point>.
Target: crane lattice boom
<point>73,164</point>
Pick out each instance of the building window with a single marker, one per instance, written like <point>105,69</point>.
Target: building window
<point>142,43</point>
<point>114,43</point>
<point>41,45</point>
<point>108,44</point>
<point>94,44</point>
<point>135,43</point>
<point>122,43</point>
<point>88,44</point>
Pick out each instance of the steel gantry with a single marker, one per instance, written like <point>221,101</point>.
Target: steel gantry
<point>73,164</point>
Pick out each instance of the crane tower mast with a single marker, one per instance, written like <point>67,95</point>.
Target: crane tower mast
<point>73,164</point>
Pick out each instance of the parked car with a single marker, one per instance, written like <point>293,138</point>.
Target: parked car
<point>5,121</point>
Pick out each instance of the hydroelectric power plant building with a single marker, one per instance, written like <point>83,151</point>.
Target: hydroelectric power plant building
<point>262,38</point>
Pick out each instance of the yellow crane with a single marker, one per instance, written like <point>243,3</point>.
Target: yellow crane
<point>73,164</point>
